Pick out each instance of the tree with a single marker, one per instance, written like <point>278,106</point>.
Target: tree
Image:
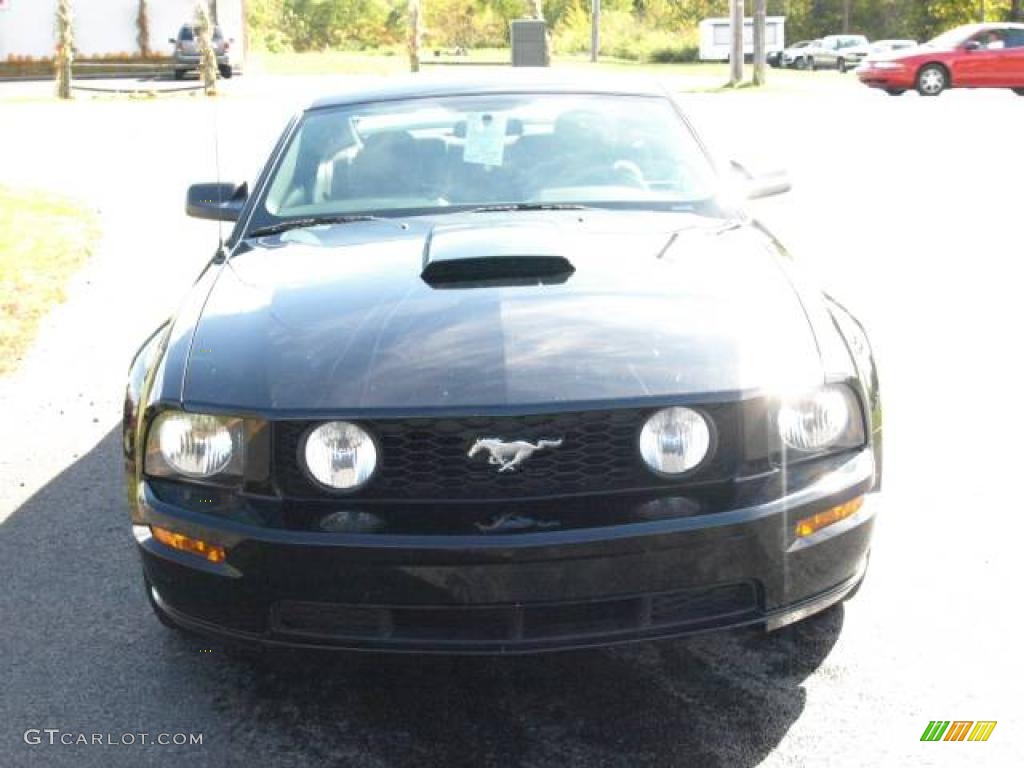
<point>65,48</point>
<point>142,28</point>
<point>736,49</point>
<point>207,55</point>
<point>760,14</point>
<point>415,34</point>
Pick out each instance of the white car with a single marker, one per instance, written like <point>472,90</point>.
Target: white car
<point>855,56</point>
<point>796,54</point>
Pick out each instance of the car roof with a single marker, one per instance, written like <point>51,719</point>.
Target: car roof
<point>415,86</point>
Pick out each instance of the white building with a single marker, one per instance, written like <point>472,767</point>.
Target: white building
<point>716,37</point>
<point>27,27</point>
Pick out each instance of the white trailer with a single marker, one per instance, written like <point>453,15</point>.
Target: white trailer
<point>716,37</point>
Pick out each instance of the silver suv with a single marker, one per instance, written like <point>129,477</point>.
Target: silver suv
<point>186,51</point>
<point>840,52</point>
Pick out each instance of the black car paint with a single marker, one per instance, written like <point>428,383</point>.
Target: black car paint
<point>337,322</point>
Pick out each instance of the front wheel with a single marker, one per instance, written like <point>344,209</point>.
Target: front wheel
<point>226,72</point>
<point>841,65</point>
<point>800,63</point>
<point>810,63</point>
<point>932,80</point>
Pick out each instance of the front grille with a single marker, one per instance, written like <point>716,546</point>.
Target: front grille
<point>500,624</point>
<point>426,459</point>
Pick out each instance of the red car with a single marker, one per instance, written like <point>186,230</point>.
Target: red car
<point>973,56</point>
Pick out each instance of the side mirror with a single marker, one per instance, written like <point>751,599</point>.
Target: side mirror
<point>216,201</point>
<point>763,184</point>
<point>172,40</point>
<point>972,45</point>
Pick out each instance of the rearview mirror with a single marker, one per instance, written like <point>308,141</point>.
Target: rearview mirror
<point>761,184</point>
<point>216,201</point>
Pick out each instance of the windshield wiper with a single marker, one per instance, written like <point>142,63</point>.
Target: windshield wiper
<point>530,207</point>
<point>313,221</point>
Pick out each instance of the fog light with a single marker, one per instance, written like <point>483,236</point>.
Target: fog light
<point>809,525</point>
<point>182,543</point>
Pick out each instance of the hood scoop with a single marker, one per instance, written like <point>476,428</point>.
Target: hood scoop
<point>507,255</point>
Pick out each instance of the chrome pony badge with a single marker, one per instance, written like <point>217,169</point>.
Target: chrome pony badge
<point>508,456</point>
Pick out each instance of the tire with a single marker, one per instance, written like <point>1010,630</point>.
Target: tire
<point>810,64</point>
<point>800,63</point>
<point>932,79</point>
<point>226,72</point>
<point>841,65</point>
<point>895,91</point>
<point>179,74</point>
<point>1019,91</point>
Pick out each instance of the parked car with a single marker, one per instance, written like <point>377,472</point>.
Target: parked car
<point>972,56</point>
<point>186,51</point>
<point>796,54</point>
<point>495,365</point>
<point>855,56</point>
<point>835,52</point>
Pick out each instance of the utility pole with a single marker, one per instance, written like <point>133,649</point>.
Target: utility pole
<point>736,51</point>
<point>846,16</point>
<point>595,28</point>
<point>760,15</point>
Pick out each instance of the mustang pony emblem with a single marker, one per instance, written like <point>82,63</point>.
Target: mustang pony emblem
<point>509,455</point>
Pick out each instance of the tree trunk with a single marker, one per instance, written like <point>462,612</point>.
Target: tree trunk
<point>846,17</point>
<point>595,29</point>
<point>760,14</point>
<point>1017,10</point>
<point>65,48</point>
<point>415,34</point>
<point>207,55</point>
<point>736,49</point>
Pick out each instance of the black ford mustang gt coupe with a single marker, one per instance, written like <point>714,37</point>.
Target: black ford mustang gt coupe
<point>498,366</point>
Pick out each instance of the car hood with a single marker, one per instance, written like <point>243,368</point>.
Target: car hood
<point>341,319</point>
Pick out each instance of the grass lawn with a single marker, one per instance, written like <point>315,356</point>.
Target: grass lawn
<point>693,77</point>
<point>43,239</point>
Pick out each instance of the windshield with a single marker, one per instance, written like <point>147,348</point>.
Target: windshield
<point>423,156</point>
<point>952,39</point>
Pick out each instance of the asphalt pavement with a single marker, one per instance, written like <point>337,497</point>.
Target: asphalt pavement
<point>908,209</point>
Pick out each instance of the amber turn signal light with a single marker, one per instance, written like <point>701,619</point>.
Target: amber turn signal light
<point>809,525</point>
<point>183,543</point>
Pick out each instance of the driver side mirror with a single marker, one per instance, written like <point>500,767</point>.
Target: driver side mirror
<point>754,186</point>
<point>216,201</point>
<point>972,45</point>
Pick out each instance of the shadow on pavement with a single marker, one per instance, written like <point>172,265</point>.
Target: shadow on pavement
<point>89,657</point>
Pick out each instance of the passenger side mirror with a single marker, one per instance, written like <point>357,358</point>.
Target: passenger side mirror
<point>216,201</point>
<point>761,184</point>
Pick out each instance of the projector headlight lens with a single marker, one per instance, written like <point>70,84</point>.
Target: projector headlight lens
<point>675,440</point>
<point>194,444</point>
<point>815,420</point>
<point>340,455</point>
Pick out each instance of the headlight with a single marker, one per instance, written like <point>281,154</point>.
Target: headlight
<point>886,65</point>
<point>824,418</point>
<point>675,440</point>
<point>194,445</point>
<point>340,455</point>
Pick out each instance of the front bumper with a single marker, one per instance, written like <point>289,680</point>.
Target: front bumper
<point>885,78</point>
<point>517,592</point>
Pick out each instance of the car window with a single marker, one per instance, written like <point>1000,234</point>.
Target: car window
<point>430,154</point>
<point>185,34</point>
<point>1015,38</point>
